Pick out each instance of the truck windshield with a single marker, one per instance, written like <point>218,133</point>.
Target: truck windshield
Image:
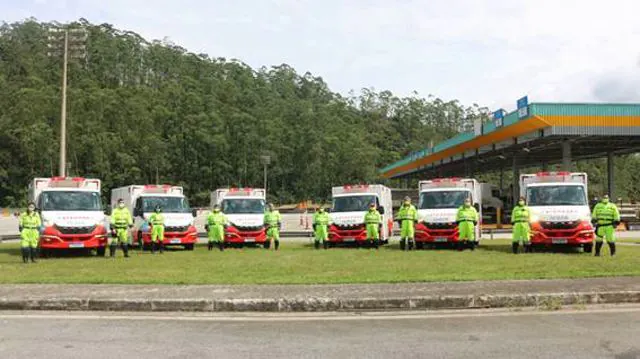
<point>353,203</point>
<point>556,196</point>
<point>70,201</point>
<point>442,199</point>
<point>243,206</point>
<point>168,204</point>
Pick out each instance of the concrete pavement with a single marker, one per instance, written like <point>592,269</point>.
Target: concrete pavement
<point>590,333</point>
<point>314,298</point>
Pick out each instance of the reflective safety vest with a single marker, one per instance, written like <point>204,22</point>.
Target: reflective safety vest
<point>408,213</point>
<point>321,218</point>
<point>121,218</point>
<point>373,217</point>
<point>272,218</point>
<point>606,213</point>
<point>520,214</point>
<point>30,221</point>
<point>216,218</point>
<point>467,214</point>
<point>156,219</point>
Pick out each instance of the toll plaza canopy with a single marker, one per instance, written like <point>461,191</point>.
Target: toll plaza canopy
<point>543,134</point>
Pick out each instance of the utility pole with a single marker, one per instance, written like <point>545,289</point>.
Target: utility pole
<point>265,162</point>
<point>68,43</point>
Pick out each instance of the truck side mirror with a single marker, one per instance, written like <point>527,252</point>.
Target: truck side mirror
<point>194,213</point>
<point>107,211</point>
<point>381,210</point>
<point>137,212</point>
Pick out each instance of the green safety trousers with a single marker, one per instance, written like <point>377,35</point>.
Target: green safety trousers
<point>407,229</point>
<point>29,238</point>
<point>466,231</point>
<point>157,233</point>
<point>216,233</point>
<point>521,233</point>
<point>373,231</point>
<point>321,233</point>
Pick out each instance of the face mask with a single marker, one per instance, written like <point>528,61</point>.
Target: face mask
<point>605,200</point>
<point>321,210</point>
<point>407,204</point>
<point>216,210</point>
<point>521,203</point>
<point>467,204</point>
<point>31,209</point>
<point>121,205</point>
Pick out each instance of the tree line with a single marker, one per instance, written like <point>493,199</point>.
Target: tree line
<point>147,111</point>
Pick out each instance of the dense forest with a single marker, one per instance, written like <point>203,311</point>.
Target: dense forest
<point>143,111</point>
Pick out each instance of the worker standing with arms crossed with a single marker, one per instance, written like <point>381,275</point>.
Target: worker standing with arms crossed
<point>29,222</point>
<point>273,222</point>
<point>520,217</point>
<point>373,221</point>
<point>216,221</point>
<point>606,218</point>
<point>467,219</point>
<point>321,221</point>
<point>121,221</point>
<point>407,217</point>
<point>157,230</point>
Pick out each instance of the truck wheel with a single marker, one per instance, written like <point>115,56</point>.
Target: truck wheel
<point>419,245</point>
<point>100,251</point>
<point>188,247</point>
<point>587,248</point>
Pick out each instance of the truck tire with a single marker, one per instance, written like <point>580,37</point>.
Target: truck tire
<point>587,248</point>
<point>188,247</point>
<point>100,251</point>
<point>267,244</point>
<point>419,245</point>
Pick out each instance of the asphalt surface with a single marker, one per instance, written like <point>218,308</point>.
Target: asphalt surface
<point>583,333</point>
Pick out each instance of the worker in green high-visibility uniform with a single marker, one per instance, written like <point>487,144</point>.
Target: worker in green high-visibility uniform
<point>29,223</point>
<point>407,217</point>
<point>606,218</point>
<point>157,230</point>
<point>321,222</point>
<point>373,221</point>
<point>121,221</point>
<point>467,219</point>
<point>216,222</point>
<point>273,222</point>
<point>520,218</point>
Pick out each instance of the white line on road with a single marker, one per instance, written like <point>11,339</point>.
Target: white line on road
<point>333,316</point>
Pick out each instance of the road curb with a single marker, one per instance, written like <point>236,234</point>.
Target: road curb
<point>545,301</point>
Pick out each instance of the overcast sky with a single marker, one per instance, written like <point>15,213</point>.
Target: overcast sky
<point>489,52</point>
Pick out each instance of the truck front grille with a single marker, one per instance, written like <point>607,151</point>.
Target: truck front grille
<point>560,225</point>
<point>440,225</point>
<point>76,230</point>
<point>176,229</point>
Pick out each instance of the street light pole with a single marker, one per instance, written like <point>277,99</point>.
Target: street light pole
<point>78,36</point>
<point>63,108</point>
<point>265,162</point>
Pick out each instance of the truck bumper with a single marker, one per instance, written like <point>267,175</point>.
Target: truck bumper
<point>241,237</point>
<point>424,234</point>
<point>358,235</point>
<point>174,238</point>
<point>53,239</point>
<point>579,235</point>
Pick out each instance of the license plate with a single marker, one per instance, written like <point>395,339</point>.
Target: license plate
<point>349,240</point>
<point>249,240</point>
<point>441,239</point>
<point>76,245</point>
<point>175,241</point>
<point>559,241</point>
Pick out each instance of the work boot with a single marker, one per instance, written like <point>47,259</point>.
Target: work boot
<point>514,247</point>
<point>221,246</point>
<point>210,246</point>
<point>277,244</point>
<point>472,245</point>
<point>34,253</point>
<point>154,246</point>
<point>25,254</point>
<point>598,248</point>
<point>527,248</point>
<point>460,246</point>
<point>316,244</point>
<point>612,248</point>
<point>161,247</point>
<point>410,243</point>
<point>376,243</point>
<point>125,250</point>
<point>112,250</point>
<point>325,244</point>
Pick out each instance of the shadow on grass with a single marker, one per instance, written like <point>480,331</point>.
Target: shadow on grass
<point>506,248</point>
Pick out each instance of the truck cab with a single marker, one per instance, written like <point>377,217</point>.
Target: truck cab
<point>439,200</point>
<point>141,200</point>
<point>350,204</point>
<point>71,211</point>
<point>560,213</point>
<point>244,208</point>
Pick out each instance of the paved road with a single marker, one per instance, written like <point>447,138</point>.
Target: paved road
<point>593,333</point>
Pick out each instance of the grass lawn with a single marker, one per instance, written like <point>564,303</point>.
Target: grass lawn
<point>298,263</point>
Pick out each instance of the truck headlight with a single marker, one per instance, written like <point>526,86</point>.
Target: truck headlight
<point>534,219</point>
